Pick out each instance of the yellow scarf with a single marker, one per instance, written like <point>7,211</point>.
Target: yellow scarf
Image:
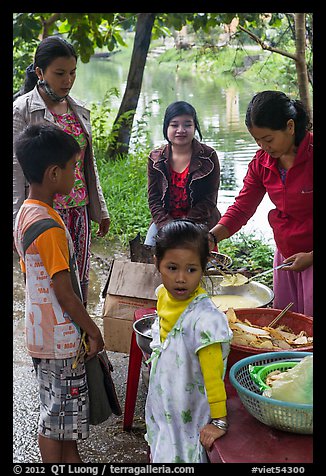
<point>169,309</point>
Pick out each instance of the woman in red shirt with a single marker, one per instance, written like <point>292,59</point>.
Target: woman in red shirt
<point>283,168</point>
<point>183,175</point>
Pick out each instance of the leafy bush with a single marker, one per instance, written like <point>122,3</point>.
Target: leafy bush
<point>124,185</point>
<point>249,252</point>
<point>124,180</point>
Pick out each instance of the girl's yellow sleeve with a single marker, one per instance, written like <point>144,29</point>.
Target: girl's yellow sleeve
<point>211,363</point>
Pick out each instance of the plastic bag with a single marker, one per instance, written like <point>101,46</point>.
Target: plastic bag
<point>295,385</point>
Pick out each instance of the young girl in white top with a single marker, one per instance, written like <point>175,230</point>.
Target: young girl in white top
<point>186,402</point>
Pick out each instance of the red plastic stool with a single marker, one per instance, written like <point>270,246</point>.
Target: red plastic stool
<point>135,359</point>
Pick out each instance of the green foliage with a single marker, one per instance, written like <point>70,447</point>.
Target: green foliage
<point>26,26</point>
<point>26,29</point>
<point>23,54</point>
<point>206,59</point>
<point>250,252</point>
<point>225,60</point>
<point>256,253</point>
<point>102,119</point>
<point>285,79</point>
<point>141,132</point>
<point>124,180</point>
<point>124,185</point>
<point>106,130</point>
<point>88,31</point>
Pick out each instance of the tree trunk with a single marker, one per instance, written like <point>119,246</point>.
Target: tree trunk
<point>301,65</point>
<point>123,125</point>
<point>299,57</point>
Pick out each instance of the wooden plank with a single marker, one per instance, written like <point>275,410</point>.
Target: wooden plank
<point>132,279</point>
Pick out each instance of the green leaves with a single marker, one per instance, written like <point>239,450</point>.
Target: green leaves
<point>124,184</point>
<point>250,252</point>
<point>26,26</point>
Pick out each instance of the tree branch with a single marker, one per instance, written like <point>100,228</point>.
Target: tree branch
<point>46,23</point>
<point>264,46</point>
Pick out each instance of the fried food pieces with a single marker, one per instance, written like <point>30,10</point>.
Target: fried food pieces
<point>281,338</point>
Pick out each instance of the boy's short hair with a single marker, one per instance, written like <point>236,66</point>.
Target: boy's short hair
<point>42,145</point>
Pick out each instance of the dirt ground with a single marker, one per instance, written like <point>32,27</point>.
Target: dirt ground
<point>108,443</point>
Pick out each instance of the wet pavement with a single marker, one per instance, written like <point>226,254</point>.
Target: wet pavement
<point>107,443</point>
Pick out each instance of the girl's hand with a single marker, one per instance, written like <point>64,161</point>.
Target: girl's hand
<point>103,227</point>
<point>208,434</point>
<point>299,262</point>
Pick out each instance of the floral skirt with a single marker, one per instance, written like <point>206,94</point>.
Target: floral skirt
<point>78,223</point>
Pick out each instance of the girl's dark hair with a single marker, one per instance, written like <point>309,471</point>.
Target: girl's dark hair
<point>182,233</point>
<point>42,145</point>
<point>47,51</point>
<point>179,108</point>
<point>273,109</point>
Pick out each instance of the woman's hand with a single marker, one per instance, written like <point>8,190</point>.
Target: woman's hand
<point>208,434</point>
<point>299,262</point>
<point>217,234</point>
<point>212,242</point>
<point>103,227</point>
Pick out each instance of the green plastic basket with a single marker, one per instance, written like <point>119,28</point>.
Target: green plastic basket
<point>286,416</point>
<point>259,373</point>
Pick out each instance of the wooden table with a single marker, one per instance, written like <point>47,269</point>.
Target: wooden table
<point>250,441</point>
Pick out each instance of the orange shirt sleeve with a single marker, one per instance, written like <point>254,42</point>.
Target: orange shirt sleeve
<point>53,249</point>
<point>22,265</point>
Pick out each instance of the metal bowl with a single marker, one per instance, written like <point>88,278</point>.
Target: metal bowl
<point>261,293</point>
<point>143,331</point>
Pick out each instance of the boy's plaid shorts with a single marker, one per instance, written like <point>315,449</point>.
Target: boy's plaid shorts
<point>64,404</point>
